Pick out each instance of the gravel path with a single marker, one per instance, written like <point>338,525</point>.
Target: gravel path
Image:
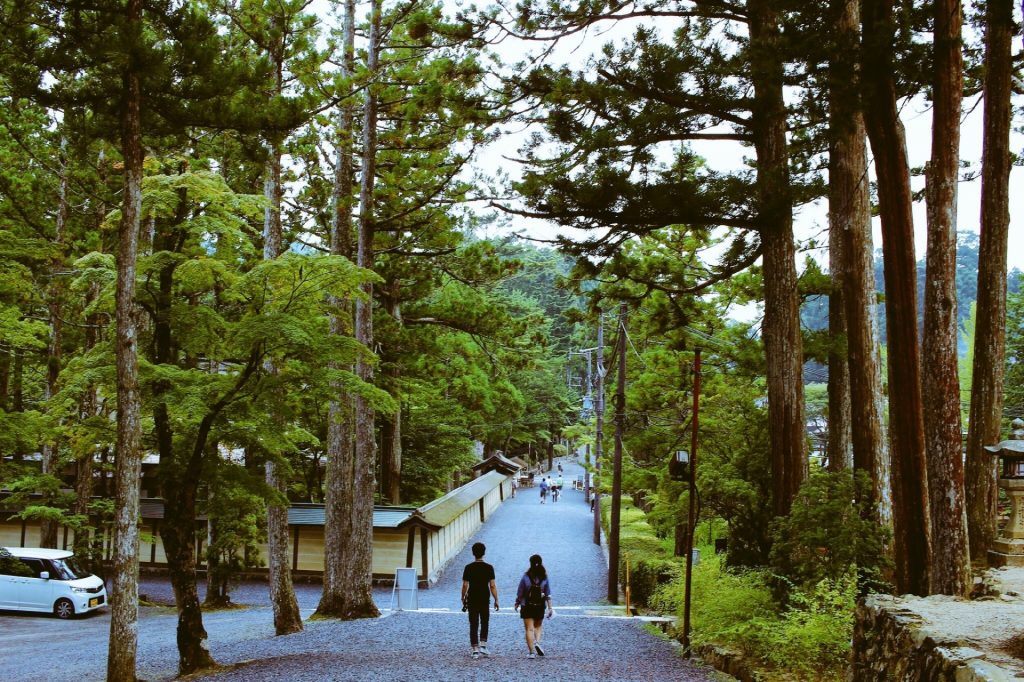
<point>431,644</point>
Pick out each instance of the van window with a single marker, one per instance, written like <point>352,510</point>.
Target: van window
<point>14,566</point>
<point>35,566</point>
<point>68,569</point>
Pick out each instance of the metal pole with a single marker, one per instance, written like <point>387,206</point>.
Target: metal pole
<point>691,521</point>
<point>599,410</point>
<point>620,423</point>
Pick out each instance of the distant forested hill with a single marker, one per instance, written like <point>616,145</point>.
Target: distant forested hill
<point>814,313</point>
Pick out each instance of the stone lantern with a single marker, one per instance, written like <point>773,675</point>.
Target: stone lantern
<point>1008,548</point>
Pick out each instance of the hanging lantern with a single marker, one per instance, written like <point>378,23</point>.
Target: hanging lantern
<point>679,466</point>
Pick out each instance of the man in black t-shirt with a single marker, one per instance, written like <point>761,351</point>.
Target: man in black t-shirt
<point>477,581</point>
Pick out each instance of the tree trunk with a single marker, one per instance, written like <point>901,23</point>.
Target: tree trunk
<point>840,436</point>
<point>178,534</point>
<point>338,489</point>
<point>940,387</point>
<point>48,527</point>
<point>986,414</point>
<point>391,457</point>
<point>850,215</point>
<point>782,341</point>
<point>358,542</point>
<point>124,603</point>
<point>391,425</point>
<point>912,530</point>
<point>287,618</point>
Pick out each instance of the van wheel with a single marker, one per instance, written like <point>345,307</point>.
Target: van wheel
<point>63,609</point>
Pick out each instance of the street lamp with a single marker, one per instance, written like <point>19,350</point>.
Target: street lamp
<point>679,466</point>
<point>1008,549</point>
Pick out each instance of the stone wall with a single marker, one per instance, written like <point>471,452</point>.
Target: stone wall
<point>893,642</point>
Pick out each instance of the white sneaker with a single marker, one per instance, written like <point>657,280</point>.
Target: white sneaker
<point>538,649</point>
<point>531,655</point>
<point>483,649</point>
<point>475,654</point>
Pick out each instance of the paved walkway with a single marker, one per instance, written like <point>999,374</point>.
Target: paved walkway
<point>561,532</point>
<point>431,644</point>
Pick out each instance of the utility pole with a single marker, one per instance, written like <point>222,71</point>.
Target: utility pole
<point>691,520</point>
<point>599,409</point>
<point>589,394</point>
<point>620,424</point>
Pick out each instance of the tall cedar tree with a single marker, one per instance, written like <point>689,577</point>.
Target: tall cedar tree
<point>283,34</point>
<point>986,411</point>
<point>950,567</point>
<point>850,218</point>
<point>357,543</point>
<point>912,529</point>
<point>338,489</point>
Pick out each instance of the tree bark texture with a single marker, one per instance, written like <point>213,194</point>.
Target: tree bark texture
<point>850,216</point>
<point>178,532</point>
<point>912,530</point>
<point>124,603</point>
<point>359,539</point>
<point>391,457</point>
<point>940,387</point>
<point>287,618</point>
<point>49,450</point>
<point>986,412</point>
<point>840,437</point>
<point>782,341</point>
<point>338,490</point>
<point>391,424</point>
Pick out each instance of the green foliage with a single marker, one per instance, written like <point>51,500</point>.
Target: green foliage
<point>827,535</point>
<point>809,639</point>
<point>1014,379</point>
<point>237,511</point>
<point>650,562</point>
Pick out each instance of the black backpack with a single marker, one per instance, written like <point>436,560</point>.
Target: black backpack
<point>534,595</point>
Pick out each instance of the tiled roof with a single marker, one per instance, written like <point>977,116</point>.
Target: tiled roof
<point>299,514</point>
<point>497,463</point>
<point>441,511</point>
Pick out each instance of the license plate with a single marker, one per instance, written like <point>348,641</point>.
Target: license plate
<point>95,601</point>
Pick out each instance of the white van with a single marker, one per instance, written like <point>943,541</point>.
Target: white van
<point>49,581</point>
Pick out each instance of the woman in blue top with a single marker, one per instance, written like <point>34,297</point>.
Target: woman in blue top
<point>533,595</point>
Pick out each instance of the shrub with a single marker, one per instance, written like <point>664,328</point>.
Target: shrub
<point>826,535</point>
<point>808,640</point>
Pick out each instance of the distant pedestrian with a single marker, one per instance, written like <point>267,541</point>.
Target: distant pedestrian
<point>533,595</point>
<point>515,485</point>
<point>477,581</point>
<point>543,490</point>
